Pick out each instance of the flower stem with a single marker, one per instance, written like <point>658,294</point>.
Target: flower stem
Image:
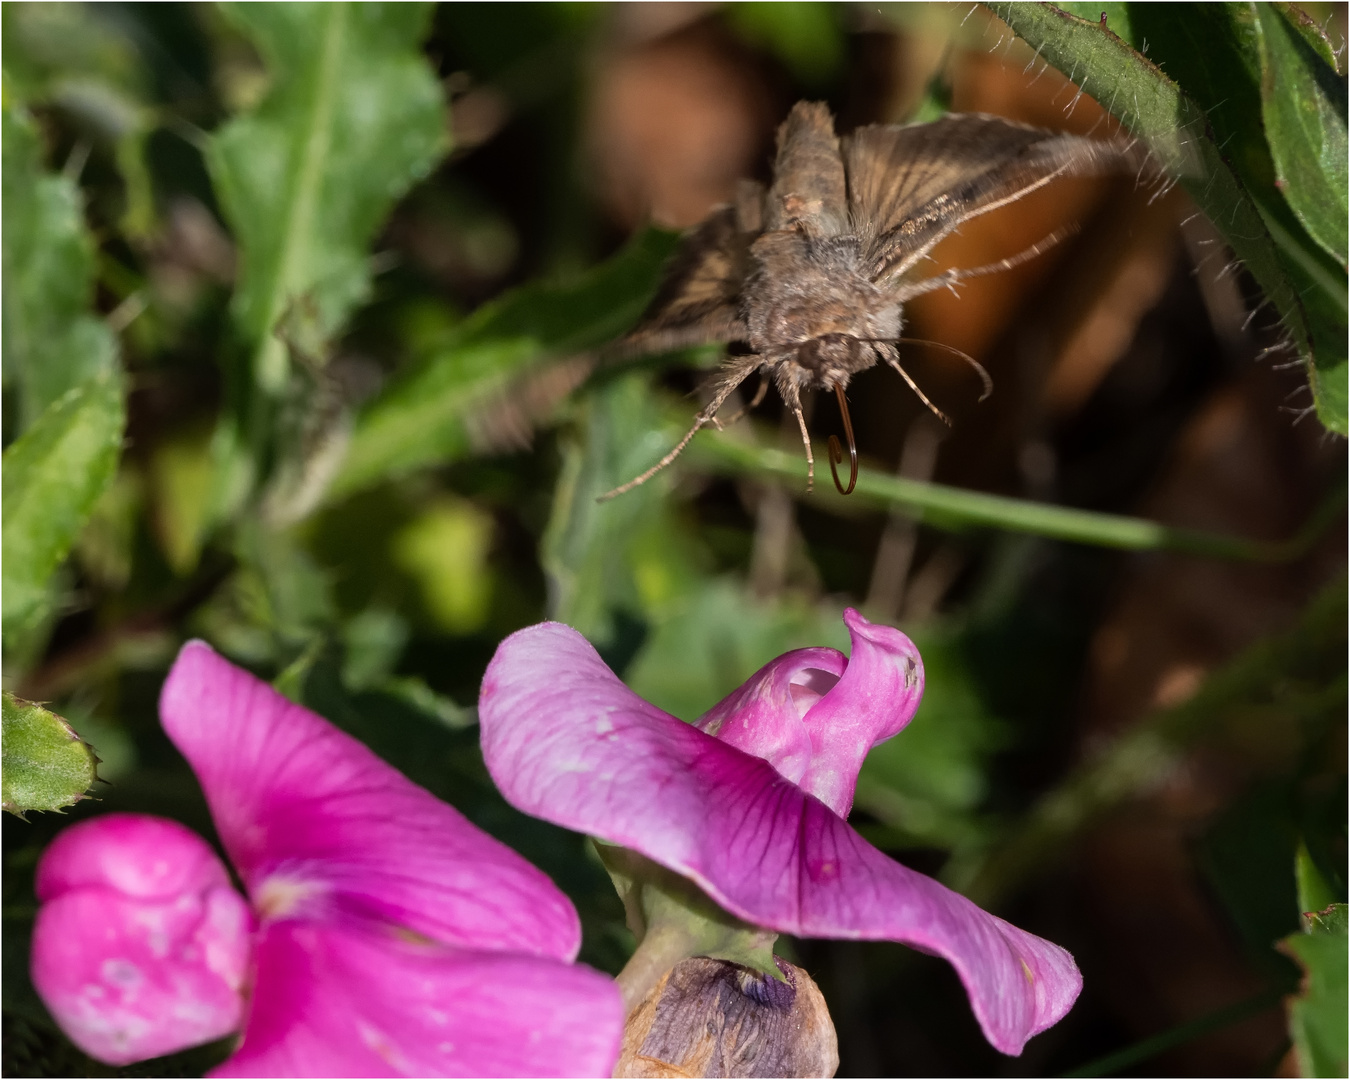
<point>660,950</point>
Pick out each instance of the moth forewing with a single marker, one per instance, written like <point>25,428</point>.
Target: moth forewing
<point>816,293</point>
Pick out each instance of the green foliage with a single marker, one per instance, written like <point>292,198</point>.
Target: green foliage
<point>53,475</point>
<point>807,37</point>
<point>1197,100</point>
<point>345,482</point>
<point>46,766</point>
<point>1317,1017</point>
<point>51,341</point>
<point>424,417</point>
<point>1303,105</point>
<point>611,563</point>
<point>307,177</point>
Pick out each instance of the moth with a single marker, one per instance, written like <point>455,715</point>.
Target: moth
<point>809,277</point>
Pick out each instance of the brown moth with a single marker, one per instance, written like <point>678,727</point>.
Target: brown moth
<point>811,275</point>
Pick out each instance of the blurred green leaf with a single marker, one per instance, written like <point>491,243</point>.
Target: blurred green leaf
<point>617,558</point>
<point>715,636</point>
<point>424,417</point>
<point>352,118</point>
<point>51,342</point>
<point>46,765</point>
<point>53,476</point>
<point>929,781</point>
<point>415,694</point>
<point>1314,891</point>
<point>1317,1017</point>
<point>1303,105</point>
<point>1199,119</point>
<point>1247,857</point>
<point>445,549</point>
<point>807,35</point>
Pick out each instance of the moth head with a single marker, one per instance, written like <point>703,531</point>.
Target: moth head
<point>831,359</point>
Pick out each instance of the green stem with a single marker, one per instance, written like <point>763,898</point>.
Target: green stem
<point>659,951</point>
<point>949,507</point>
<point>302,202</point>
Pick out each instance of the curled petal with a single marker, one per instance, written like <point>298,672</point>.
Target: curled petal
<point>565,740</point>
<point>336,1002</point>
<point>142,948</point>
<point>765,715</point>
<point>875,698</point>
<point>317,825</point>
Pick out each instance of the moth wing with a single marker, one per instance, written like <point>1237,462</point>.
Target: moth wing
<point>909,186</point>
<point>699,297</point>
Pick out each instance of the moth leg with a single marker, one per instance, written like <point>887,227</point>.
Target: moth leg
<point>894,360</point>
<point>793,401</point>
<point>732,377</point>
<point>950,277</point>
<point>755,403</point>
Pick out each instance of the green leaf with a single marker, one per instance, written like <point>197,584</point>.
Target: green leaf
<point>1199,120</point>
<point>53,475</point>
<point>50,341</point>
<point>1317,1016</point>
<point>423,417</point>
<point>610,563</point>
<point>353,117</point>
<point>1303,105</point>
<point>46,765</point>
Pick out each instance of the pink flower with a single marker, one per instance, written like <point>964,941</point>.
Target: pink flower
<point>749,802</point>
<point>383,935</point>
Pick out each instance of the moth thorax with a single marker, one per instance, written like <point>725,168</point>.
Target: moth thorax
<point>831,358</point>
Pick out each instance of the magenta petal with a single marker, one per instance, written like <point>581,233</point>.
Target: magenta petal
<point>876,697</point>
<point>764,716</point>
<point>134,854</point>
<point>332,1002</point>
<point>565,740</point>
<point>312,818</point>
<point>142,945</point>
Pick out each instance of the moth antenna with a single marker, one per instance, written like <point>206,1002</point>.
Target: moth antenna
<point>836,451</point>
<point>980,370</point>
<point>732,378</point>
<point>915,387</point>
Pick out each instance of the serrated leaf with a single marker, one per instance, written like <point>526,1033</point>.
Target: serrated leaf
<point>46,766</point>
<point>421,419</point>
<point>353,117</point>
<point>1303,105</point>
<point>1317,1016</point>
<point>1194,100</point>
<point>51,342</point>
<point>53,475</point>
